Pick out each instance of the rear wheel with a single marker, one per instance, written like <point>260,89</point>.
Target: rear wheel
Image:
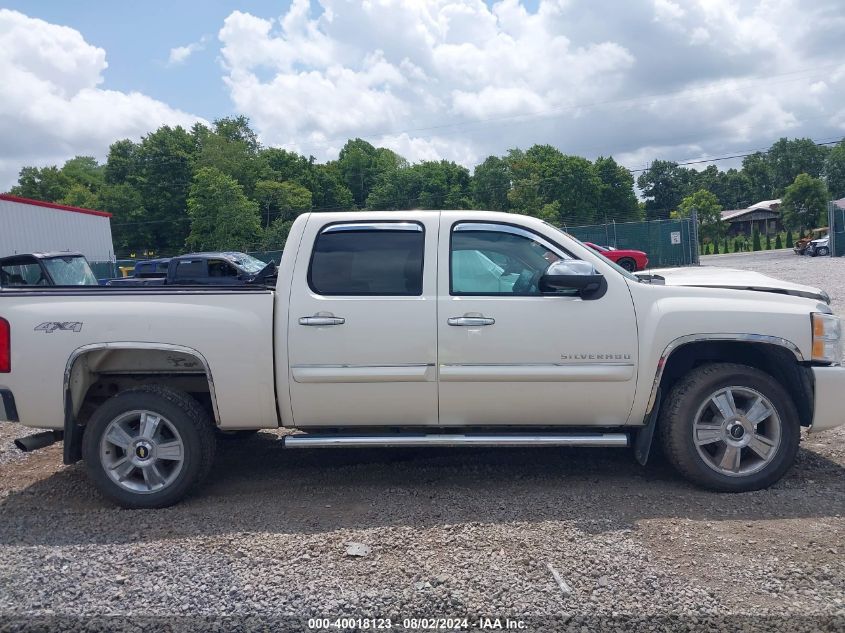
<point>147,447</point>
<point>628,264</point>
<point>730,427</point>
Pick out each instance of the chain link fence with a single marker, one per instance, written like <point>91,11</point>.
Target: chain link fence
<point>666,242</point>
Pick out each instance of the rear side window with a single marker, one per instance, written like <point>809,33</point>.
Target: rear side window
<point>368,260</point>
<point>190,269</point>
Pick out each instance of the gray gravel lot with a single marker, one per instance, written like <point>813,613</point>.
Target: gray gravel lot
<point>460,533</point>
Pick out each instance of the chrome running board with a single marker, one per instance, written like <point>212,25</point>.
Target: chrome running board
<point>325,440</point>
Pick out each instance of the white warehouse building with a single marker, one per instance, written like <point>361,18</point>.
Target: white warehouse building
<point>32,226</point>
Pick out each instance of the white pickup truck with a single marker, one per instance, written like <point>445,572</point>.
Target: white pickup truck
<point>425,328</point>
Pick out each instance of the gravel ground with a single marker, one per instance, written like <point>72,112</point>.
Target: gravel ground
<point>452,533</point>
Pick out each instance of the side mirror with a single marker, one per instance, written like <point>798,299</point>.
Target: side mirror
<point>571,274</point>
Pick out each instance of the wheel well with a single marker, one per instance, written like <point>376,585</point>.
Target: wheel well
<point>94,375</point>
<point>779,362</point>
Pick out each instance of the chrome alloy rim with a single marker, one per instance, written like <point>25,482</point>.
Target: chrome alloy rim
<point>141,451</point>
<point>737,431</point>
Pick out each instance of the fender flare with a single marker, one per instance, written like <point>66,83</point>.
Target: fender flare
<point>73,432</point>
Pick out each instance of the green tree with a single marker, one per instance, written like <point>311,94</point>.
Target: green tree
<point>48,184</point>
<point>803,203</point>
<point>768,242</point>
<point>222,217</point>
<point>834,171</point>
<point>129,230</point>
<point>164,170</point>
<point>757,169</point>
<point>284,200</point>
<point>616,194</point>
<point>276,236</point>
<point>361,165</point>
<point>789,241</point>
<point>231,147</point>
<point>491,182</point>
<point>80,196</point>
<point>559,188</point>
<point>664,184</point>
<point>790,157</point>
<point>121,165</point>
<point>708,210</point>
<point>778,243</point>
<point>427,185</point>
<point>755,239</point>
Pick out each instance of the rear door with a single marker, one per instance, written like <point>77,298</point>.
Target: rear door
<point>362,342</point>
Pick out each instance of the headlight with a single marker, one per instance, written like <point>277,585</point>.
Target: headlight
<point>827,334</point>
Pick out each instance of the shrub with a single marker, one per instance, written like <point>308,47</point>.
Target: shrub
<point>715,248</point>
<point>778,243</point>
<point>755,239</point>
<point>789,242</point>
<point>768,242</point>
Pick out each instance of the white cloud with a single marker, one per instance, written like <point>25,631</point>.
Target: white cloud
<point>180,54</point>
<point>51,104</point>
<point>462,79</point>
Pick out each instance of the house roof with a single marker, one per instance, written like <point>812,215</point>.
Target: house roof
<point>840,203</point>
<point>53,205</point>
<point>763,205</point>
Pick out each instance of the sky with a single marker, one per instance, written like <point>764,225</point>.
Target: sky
<point>431,79</point>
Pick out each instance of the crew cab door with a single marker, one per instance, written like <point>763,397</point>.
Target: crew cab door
<point>362,341</point>
<point>508,355</point>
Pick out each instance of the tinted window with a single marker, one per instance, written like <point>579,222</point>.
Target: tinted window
<point>219,268</point>
<point>497,263</point>
<point>368,262</point>
<point>190,269</point>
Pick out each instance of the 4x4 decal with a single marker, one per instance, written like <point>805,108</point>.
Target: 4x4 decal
<point>52,326</point>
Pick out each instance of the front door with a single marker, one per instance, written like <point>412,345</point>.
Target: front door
<point>508,355</point>
<point>362,341</point>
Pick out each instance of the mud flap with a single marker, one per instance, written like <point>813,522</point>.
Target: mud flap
<point>642,442</point>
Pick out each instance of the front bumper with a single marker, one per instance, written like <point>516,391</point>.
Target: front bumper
<point>828,411</point>
<point>8,410</point>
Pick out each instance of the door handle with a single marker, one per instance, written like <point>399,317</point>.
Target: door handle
<point>320,319</point>
<point>468,321</point>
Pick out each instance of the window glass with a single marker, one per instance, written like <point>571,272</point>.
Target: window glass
<point>368,262</point>
<point>22,275</point>
<point>70,271</point>
<point>497,263</point>
<point>190,269</point>
<point>220,268</point>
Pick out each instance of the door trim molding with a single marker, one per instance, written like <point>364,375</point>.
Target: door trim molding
<point>538,372</point>
<point>412,372</point>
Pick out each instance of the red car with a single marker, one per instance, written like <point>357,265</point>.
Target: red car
<point>629,260</point>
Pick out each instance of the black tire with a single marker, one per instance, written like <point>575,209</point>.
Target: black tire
<point>677,418</point>
<point>184,413</point>
<point>628,264</point>
<point>822,251</point>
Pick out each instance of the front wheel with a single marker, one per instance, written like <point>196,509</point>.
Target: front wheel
<point>821,251</point>
<point>730,428</point>
<point>147,447</point>
<point>628,264</point>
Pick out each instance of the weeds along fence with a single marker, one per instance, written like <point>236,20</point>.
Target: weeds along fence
<point>666,242</point>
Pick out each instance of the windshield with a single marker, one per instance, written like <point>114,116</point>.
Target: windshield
<point>614,265</point>
<point>70,271</point>
<point>249,263</point>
